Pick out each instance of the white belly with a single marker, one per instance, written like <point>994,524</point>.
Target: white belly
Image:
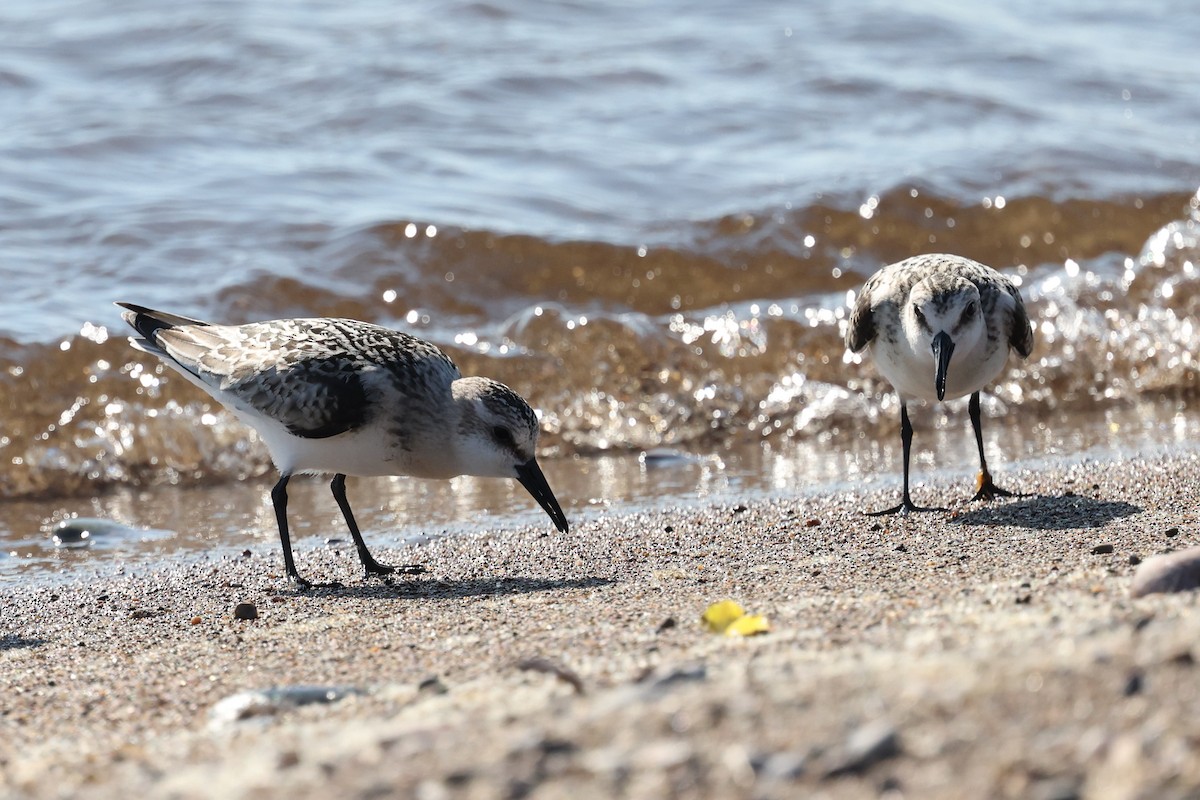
<point>912,374</point>
<point>367,452</point>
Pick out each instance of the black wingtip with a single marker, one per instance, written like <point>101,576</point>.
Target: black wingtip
<point>148,321</point>
<point>143,320</point>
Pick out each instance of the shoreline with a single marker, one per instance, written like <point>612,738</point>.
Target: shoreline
<point>984,652</point>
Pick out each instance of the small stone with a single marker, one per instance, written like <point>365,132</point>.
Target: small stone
<point>900,548</point>
<point>667,624</point>
<point>557,670</point>
<point>432,685</point>
<point>1173,572</point>
<point>196,620</point>
<point>269,702</point>
<point>783,766</point>
<point>1183,658</point>
<point>669,529</point>
<point>686,674</point>
<point>739,508</point>
<point>141,613</point>
<point>1066,788</point>
<point>1134,560</point>
<point>1133,684</point>
<point>812,523</point>
<point>864,747</point>
<point>1102,549</point>
<point>245,611</point>
<point>1170,533</point>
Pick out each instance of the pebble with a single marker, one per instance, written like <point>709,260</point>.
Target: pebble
<point>432,685</point>
<point>557,670</point>
<point>1173,572</point>
<point>81,531</point>
<point>866,746</point>
<point>245,611</point>
<point>1102,549</point>
<point>782,766</point>
<point>664,456</point>
<point>268,702</point>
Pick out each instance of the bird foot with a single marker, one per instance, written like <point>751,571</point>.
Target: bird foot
<point>987,490</point>
<point>904,509</point>
<point>304,584</point>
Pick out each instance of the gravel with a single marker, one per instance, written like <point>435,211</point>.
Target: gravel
<point>984,652</point>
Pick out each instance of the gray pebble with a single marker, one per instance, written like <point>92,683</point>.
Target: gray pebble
<point>81,531</point>
<point>783,766</point>
<point>866,746</point>
<point>1173,572</point>
<point>268,702</point>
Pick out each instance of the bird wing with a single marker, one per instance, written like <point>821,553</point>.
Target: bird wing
<point>1021,336</point>
<point>862,318</point>
<point>313,376</point>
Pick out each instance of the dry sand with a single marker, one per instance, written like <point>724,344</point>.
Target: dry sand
<point>987,652</point>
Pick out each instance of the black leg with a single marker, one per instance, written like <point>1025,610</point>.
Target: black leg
<point>373,567</point>
<point>906,504</point>
<point>987,489</point>
<point>279,498</point>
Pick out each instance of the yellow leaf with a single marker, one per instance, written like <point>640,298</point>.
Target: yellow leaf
<point>729,618</point>
<point>749,625</point>
<point>720,616</point>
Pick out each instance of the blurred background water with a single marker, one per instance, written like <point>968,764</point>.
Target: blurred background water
<point>646,217</point>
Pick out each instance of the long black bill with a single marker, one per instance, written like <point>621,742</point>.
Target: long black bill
<point>531,477</point>
<point>943,348</point>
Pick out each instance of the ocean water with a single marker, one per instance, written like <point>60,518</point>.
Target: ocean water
<point>647,217</point>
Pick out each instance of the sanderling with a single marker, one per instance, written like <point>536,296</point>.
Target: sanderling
<point>350,398</point>
<point>942,317</point>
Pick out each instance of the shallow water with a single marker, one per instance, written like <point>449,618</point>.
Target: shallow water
<point>648,218</point>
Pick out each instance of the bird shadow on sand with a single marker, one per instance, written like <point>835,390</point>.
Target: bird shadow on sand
<point>1051,513</point>
<point>15,642</point>
<point>432,589</point>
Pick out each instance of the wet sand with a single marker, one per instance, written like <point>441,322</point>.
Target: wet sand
<point>993,651</point>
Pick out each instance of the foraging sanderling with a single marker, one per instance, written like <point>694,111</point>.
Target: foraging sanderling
<point>350,398</point>
<point>940,327</point>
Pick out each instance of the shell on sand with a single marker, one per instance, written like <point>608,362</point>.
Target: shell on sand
<point>1172,572</point>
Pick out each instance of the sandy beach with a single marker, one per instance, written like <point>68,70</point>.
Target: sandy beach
<point>992,651</point>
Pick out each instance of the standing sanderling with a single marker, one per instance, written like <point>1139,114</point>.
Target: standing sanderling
<point>945,317</point>
<point>350,398</point>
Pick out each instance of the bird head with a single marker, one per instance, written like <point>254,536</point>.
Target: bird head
<point>943,315</point>
<point>497,438</point>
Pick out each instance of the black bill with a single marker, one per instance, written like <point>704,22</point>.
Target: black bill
<point>531,477</point>
<point>943,348</point>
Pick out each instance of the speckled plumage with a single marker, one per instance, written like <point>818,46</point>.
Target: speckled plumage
<point>351,398</point>
<point>940,327</point>
<point>876,315</point>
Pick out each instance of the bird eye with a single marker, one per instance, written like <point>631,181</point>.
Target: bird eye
<point>968,312</point>
<point>503,437</point>
<point>921,317</point>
